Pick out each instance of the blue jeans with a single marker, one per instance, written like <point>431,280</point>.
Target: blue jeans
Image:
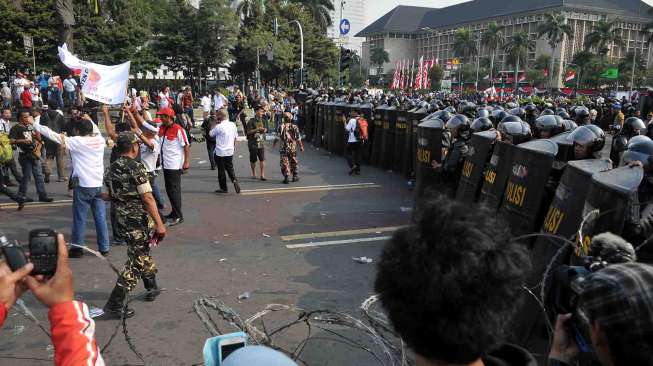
<point>31,167</point>
<point>189,112</point>
<point>158,197</point>
<point>71,97</point>
<point>83,199</point>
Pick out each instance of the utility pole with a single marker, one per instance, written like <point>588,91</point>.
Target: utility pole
<point>478,61</point>
<point>258,71</point>
<point>342,4</point>
<point>301,49</point>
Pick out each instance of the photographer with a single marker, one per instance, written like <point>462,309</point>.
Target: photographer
<point>617,303</point>
<point>450,285</point>
<point>70,323</point>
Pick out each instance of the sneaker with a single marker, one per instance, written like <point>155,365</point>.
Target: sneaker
<point>237,186</point>
<point>263,178</point>
<point>221,191</point>
<point>62,179</point>
<point>112,313</point>
<point>75,252</point>
<point>295,178</point>
<point>46,199</point>
<point>285,180</point>
<point>46,179</point>
<point>104,253</point>
<point>11,184</point>
<point>175,221</point>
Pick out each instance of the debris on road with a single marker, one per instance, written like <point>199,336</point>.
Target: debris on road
<point>94,312</point>
<point>222,259</point>
<point>18,329</point>
<point>201,162</point>
<point>226,235</point>
<point>244,296</point>
<point>363,260</point>
<point>266,235</point>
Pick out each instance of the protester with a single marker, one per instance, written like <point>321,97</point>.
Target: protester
<point>290,138</point>
<point>219,100</point>
<point>206,106</point>
<point>129,189</point>
<point>433,281</point>
<point>175,159</point>
<point>28,140</point>
<point>225,133</point>
<point>353,148</point>
<point>207,125</point>
<point>187,104</point>
<point>10,166</point>
<point>5,95</point>
<point>87,153</point>
<point>71,326</point>
<point>54,120</point>
<point>255,131</point>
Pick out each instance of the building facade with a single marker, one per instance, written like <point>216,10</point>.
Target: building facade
<point>413,32</point>
<point>354,11</point>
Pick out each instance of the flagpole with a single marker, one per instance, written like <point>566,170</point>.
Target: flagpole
<point>632,75</point>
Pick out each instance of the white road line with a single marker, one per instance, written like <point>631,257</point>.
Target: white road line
<point>371,230</point>
<point>38,204</point>
<point>337,242</point>
<point>308,187</point>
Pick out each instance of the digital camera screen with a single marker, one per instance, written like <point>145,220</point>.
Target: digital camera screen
<point>229,349</point>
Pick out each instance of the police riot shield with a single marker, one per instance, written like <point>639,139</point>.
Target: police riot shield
<point>415,116</point>
<point>399,154</point>
<point>608,202</point>
<point>529,173</point>
<point>388,137</point>
<point>328,125</point>
<point>366,110</point>
<point>496,175</point>
<point>429,157</point>
<point>377,134</point>
<point>319,125</point>
<point>565,150</point>
<point>471,178</point>
<point>309,118</point>
<point>338,128</point>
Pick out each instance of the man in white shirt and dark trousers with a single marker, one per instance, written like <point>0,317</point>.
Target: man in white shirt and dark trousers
<point>87,154</point>
<point>353,149</point>
<point>175,158</point>
<point>225,133</point>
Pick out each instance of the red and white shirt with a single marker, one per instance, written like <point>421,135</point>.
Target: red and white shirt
<point>173,141</point>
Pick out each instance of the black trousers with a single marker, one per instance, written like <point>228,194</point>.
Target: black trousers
<point>225,163</point>
<point>172,180</point>
<point>353,154</point>
<point>210,148</point>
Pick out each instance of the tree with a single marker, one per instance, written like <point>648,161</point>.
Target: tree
<point>320,11</point>
<point>582,59</point>
<point>604,35</point>
<point>379,56</point>
<point>463,44</point>
<point>436,74</point>
<point>554,28</point>
<point>517,48</point>
<point>493,38</point>
<point>248,10</point>
<point>626,69</point>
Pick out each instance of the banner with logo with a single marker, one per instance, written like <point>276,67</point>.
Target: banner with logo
<point>105,84</point>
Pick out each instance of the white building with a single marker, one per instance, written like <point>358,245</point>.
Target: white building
<point>354,11</point>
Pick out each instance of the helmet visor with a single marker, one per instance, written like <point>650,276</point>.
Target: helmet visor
<point>582,136</point>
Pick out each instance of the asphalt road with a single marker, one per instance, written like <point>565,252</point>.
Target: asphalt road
<point>284,244</point>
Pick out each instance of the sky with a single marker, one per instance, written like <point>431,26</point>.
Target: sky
<point>383,6</point>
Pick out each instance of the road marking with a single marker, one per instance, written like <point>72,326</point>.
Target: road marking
<point>59,203</point>
<point>333,187</point>
<point>329,234</point>
<point>337,242</point>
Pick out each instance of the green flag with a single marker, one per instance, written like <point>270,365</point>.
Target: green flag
<point>612,73</point>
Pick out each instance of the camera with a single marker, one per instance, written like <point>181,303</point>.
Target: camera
<point>43,252</point>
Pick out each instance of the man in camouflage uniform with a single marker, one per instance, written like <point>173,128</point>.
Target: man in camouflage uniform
<point>137,215</point>
<point>290,137</point>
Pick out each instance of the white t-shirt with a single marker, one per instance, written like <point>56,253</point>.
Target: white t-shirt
<point>86,152</point>
<point>172,146</point>
<point>69,85</point>
<point>225,134</point>
<point>5,126</point>
<point>150,156</point>
<point>163,100</point>
<point>351,127</point>
<point>19,85</point>
<point>206,103</point>
<point>35,93</point>
<point>219,101</point>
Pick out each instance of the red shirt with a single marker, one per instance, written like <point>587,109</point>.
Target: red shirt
<point>187,101</point>
<point>26,98</point>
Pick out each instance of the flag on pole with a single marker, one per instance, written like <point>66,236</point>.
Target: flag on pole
<point>570,75</point>
<point>611,73</point>
<point>521,76</point>
<point>545,72</point>
<point>105,84</point>
<point>412,74</point>
<point>400,84</point>
<point>418,75</point>
<point>393,84</point>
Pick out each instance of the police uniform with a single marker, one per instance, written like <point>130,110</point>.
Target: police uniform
<point>289,136</point>
<point>126,180</point>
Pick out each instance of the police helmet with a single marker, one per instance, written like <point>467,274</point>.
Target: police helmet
<point>632,124</point>
<point>635,139</point>
<point>520,112</point>
<point>546,111</point>
<point>515,131</point>
<point>511,105</point>
<point>530,108</point>
<point>500,115</point>
<point>563,114</point>
<point>548,123</point>
<point>483,113</point>
<point>511,118</point>
<point>641,150</point>
<point>568,125</point>
<point>560,110</point>
<point>481,124</point>
<point>443,115</point>
<point>582,112</point>
<point>459,121</point>
<point>588,135</point>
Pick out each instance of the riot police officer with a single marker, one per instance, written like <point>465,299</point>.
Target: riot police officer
<point>633,126</point>
<point>481,124</point>
<point>530,114</point>
<point>514,132</point>
<point>588,141</point>
<point>582,115</point>
<point>548,126</point>
<point>458,127</point>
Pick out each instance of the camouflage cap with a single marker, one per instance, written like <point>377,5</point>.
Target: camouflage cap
<point>125,140</point>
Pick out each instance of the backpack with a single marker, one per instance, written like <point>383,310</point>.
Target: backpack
<point>6,152</point>
<point>361,129</point>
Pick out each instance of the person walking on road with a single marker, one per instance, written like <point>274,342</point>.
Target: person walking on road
<point>206,106</point>
<point>255,131</point>
<point>225,133</point>
<point>353,149</point>
<point>175,159</point>
<point>290,138</point>
<point>207,125</point>
<point>129,189</point>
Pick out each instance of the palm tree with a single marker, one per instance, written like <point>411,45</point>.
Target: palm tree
<point>493,38</point>
<point>604,35</point>
<point>517,48</point>
<point>554,28</point>
<point>320,10</point>
<point>582,59</point>
<point>464,46</point>
<point>379,56</point>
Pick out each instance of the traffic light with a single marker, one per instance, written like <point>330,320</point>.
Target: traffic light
<point>345,59</point>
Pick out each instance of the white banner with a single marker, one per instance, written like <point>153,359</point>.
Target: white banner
<point>105,84</point>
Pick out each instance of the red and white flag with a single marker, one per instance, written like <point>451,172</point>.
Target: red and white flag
<point>521,76</point>
<point>546,72</point>
<point>570,75</point>
<point>395,76</point>
<point>418,75</point>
